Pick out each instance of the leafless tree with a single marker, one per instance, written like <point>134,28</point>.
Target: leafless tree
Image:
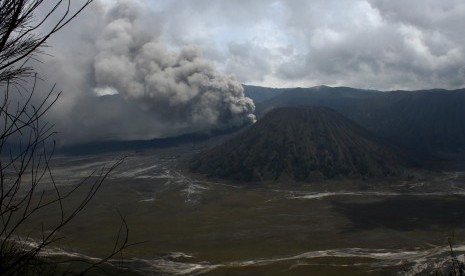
<point>26,141</point>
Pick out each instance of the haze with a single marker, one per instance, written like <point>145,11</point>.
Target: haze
<point>132,48</point>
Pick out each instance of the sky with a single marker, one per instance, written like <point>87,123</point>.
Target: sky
<point>177,65</point>
<point>376,44</point>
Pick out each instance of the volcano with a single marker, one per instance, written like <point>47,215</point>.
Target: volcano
<point>300,144</point>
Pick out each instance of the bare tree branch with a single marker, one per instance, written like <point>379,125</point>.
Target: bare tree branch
<point>18,38</point>
<point>26,145</point>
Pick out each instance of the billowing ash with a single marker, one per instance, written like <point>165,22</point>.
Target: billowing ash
<point>116,47</point>
<point>179,87</point>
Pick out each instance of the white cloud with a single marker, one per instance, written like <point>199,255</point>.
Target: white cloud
<point>325,39</point>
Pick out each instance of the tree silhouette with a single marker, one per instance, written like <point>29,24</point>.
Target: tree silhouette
<point>26,143</point>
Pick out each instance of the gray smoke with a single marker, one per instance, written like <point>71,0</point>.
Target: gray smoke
<point>158,92</point>
<point>180,87</point>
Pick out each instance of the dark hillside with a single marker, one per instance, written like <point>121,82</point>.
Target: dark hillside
<point>260,94</point>
<point>302,144</point>
<point>423,121</point>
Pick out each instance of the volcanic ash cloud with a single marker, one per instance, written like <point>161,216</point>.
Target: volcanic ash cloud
<point>180,88</point>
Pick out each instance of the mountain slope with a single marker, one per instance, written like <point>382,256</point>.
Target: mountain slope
<point>260,94</point>
<point>424,121</point>
<point>302,144</point>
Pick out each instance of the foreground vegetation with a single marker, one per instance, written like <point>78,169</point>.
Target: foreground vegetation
<point>27,146</point>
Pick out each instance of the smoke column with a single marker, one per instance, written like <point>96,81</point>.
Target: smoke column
<point>181,88</point>
<point>116,47</point>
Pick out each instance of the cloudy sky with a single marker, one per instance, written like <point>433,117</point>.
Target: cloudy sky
<point>177,65</point>
<point>380,44</point>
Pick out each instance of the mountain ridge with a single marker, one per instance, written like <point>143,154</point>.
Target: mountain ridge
<point>422,121</point>
<point>302,144</point>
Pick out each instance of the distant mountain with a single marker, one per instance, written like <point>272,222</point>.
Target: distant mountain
<point>260,94</point>
<point>338,98</point>
<point>423,121</point>
<point>130,145</point>
<point>301,144</point>
<point>114,146</point>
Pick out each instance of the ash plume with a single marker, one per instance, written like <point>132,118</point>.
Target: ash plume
<point>180,87</point>
<point>117,48</point>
